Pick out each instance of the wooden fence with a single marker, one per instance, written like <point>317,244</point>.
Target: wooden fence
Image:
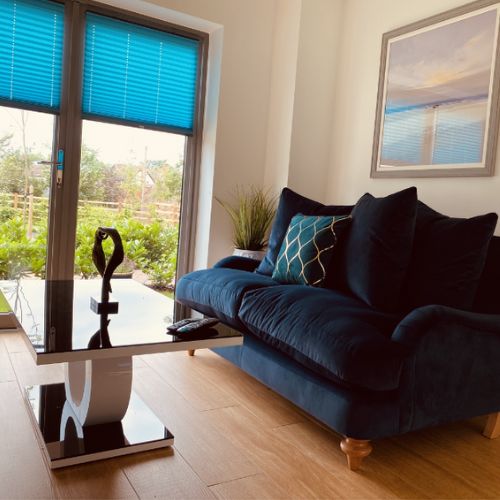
<point>36,208</point>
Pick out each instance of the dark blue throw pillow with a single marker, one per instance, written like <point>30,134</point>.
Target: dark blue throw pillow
<point>307,249</point>
<point>448,258</point>
<point>378,248</point>
<point>290,204</point>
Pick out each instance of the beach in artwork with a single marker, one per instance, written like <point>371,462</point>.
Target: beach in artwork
<point>437,93</point>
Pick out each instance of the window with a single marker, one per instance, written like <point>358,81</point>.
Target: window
<point>138,75</point>
<point>31,50</point>
<point>133,72</point>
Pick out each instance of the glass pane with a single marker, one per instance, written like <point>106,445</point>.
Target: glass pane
<point>131,179</point>
<point>25,139</point>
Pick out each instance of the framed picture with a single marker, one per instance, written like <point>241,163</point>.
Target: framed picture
<point>437,107</point>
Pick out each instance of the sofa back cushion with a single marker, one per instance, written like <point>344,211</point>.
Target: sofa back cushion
<point>378,248</point>
<point>290,204</point>
<point>448,258</point>
<point>487,298</point>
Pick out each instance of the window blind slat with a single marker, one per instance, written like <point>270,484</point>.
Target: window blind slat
<point>138,74</point>
<point>31,48</point>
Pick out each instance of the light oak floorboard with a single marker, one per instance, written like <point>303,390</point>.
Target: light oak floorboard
<point>163,474</point>
<point>14,342</point>
<point>28,373</point>
<point>258,446</point>
<point>466,476</point>
<point>103,479</point>
<point>258,487</point>
<point>209,452</point>
<point>139,362</point>
<point>271,409</point>
<point>322,446</point>
<point>6,371</point>
<point>22,470</point>
<point>182,373</point>
<point>440,481</point>
<point>284,464</point>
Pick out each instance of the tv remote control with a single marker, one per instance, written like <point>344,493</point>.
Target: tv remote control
<point>178,324</point>
<point>196,325</point>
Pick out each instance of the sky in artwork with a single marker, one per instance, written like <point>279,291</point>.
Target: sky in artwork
<point>452,61</point>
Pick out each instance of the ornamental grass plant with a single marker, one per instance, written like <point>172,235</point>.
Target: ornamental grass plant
<point>252,211</point>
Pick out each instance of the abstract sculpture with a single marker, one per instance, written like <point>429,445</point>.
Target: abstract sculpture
<point>101,339</point>
<point>99,259</point>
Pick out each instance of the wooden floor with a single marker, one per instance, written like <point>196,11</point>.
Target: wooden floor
<point>234,438</point>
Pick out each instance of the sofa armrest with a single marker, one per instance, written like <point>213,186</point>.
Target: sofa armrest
<point>452,371</point>
<point>237,262</point>
<point>420,321</point>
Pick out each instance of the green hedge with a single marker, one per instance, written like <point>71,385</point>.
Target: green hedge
<point>150,247</point>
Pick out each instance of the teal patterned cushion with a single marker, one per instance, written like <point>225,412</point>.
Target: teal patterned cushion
<point>307,249</point>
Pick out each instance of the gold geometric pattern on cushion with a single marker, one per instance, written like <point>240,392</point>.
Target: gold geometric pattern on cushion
<point>307,249</point>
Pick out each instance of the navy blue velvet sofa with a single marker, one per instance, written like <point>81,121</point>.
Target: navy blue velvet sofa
<point>364,372</point>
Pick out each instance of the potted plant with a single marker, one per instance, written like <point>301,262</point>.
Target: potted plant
<point>252,212</point>
<point>125,270</point>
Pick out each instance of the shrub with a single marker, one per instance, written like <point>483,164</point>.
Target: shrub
<point>15,249</point>
<point>150,247</point>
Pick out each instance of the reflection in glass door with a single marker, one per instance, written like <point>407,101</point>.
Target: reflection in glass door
<point>25,153</point>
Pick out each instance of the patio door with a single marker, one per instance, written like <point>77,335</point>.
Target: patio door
<point>125,93</point>
<point>30,105</point>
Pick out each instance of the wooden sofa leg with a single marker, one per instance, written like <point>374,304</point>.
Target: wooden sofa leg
<point>492,427</point>
<point>356,450</point>
<point>191,352</point>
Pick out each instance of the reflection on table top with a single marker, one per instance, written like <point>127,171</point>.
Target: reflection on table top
<point>59,323</point>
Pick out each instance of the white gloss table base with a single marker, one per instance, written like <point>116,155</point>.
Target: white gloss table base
<point>94,415</point>
<point>98,390</point>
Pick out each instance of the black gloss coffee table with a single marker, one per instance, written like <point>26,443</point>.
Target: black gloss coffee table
<point>95,414</point>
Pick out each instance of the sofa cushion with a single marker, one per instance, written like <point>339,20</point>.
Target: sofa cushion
<point>218,292</point>
<point>448,258</point>
<point>337,336</point>
<point>290,204</point>
<point>307,248</point>
<point>378,248</point>
<point>488,292</point>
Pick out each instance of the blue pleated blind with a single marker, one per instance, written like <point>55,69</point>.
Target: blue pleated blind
<point>31,47</point>
<point>139,75</point>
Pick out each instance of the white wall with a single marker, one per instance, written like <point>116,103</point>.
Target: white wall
<point>319,37</point>
<point>305,58</point>
<point>282,93</point>
<point>353,111</point>
<point>236,154</point>
<point>296,105</point>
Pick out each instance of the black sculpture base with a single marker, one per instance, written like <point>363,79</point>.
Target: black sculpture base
<point>139,430</point>
<point>103,307</point>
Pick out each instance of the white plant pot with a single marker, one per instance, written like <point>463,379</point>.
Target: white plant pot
<point>251,254</point>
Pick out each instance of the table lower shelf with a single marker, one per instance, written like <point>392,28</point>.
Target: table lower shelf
<point>65,442</point>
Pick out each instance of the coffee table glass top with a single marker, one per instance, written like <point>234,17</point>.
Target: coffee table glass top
<point>57,318</point>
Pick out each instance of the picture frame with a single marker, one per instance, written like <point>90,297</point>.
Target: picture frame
<point>437,109</point>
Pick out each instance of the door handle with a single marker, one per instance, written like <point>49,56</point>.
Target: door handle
<point>59,164</point>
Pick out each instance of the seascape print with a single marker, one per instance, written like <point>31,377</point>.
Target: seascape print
<point>438,93</point>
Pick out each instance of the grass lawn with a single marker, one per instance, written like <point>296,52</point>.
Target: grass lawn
<point>167,293</point>
<point>4,305</point>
